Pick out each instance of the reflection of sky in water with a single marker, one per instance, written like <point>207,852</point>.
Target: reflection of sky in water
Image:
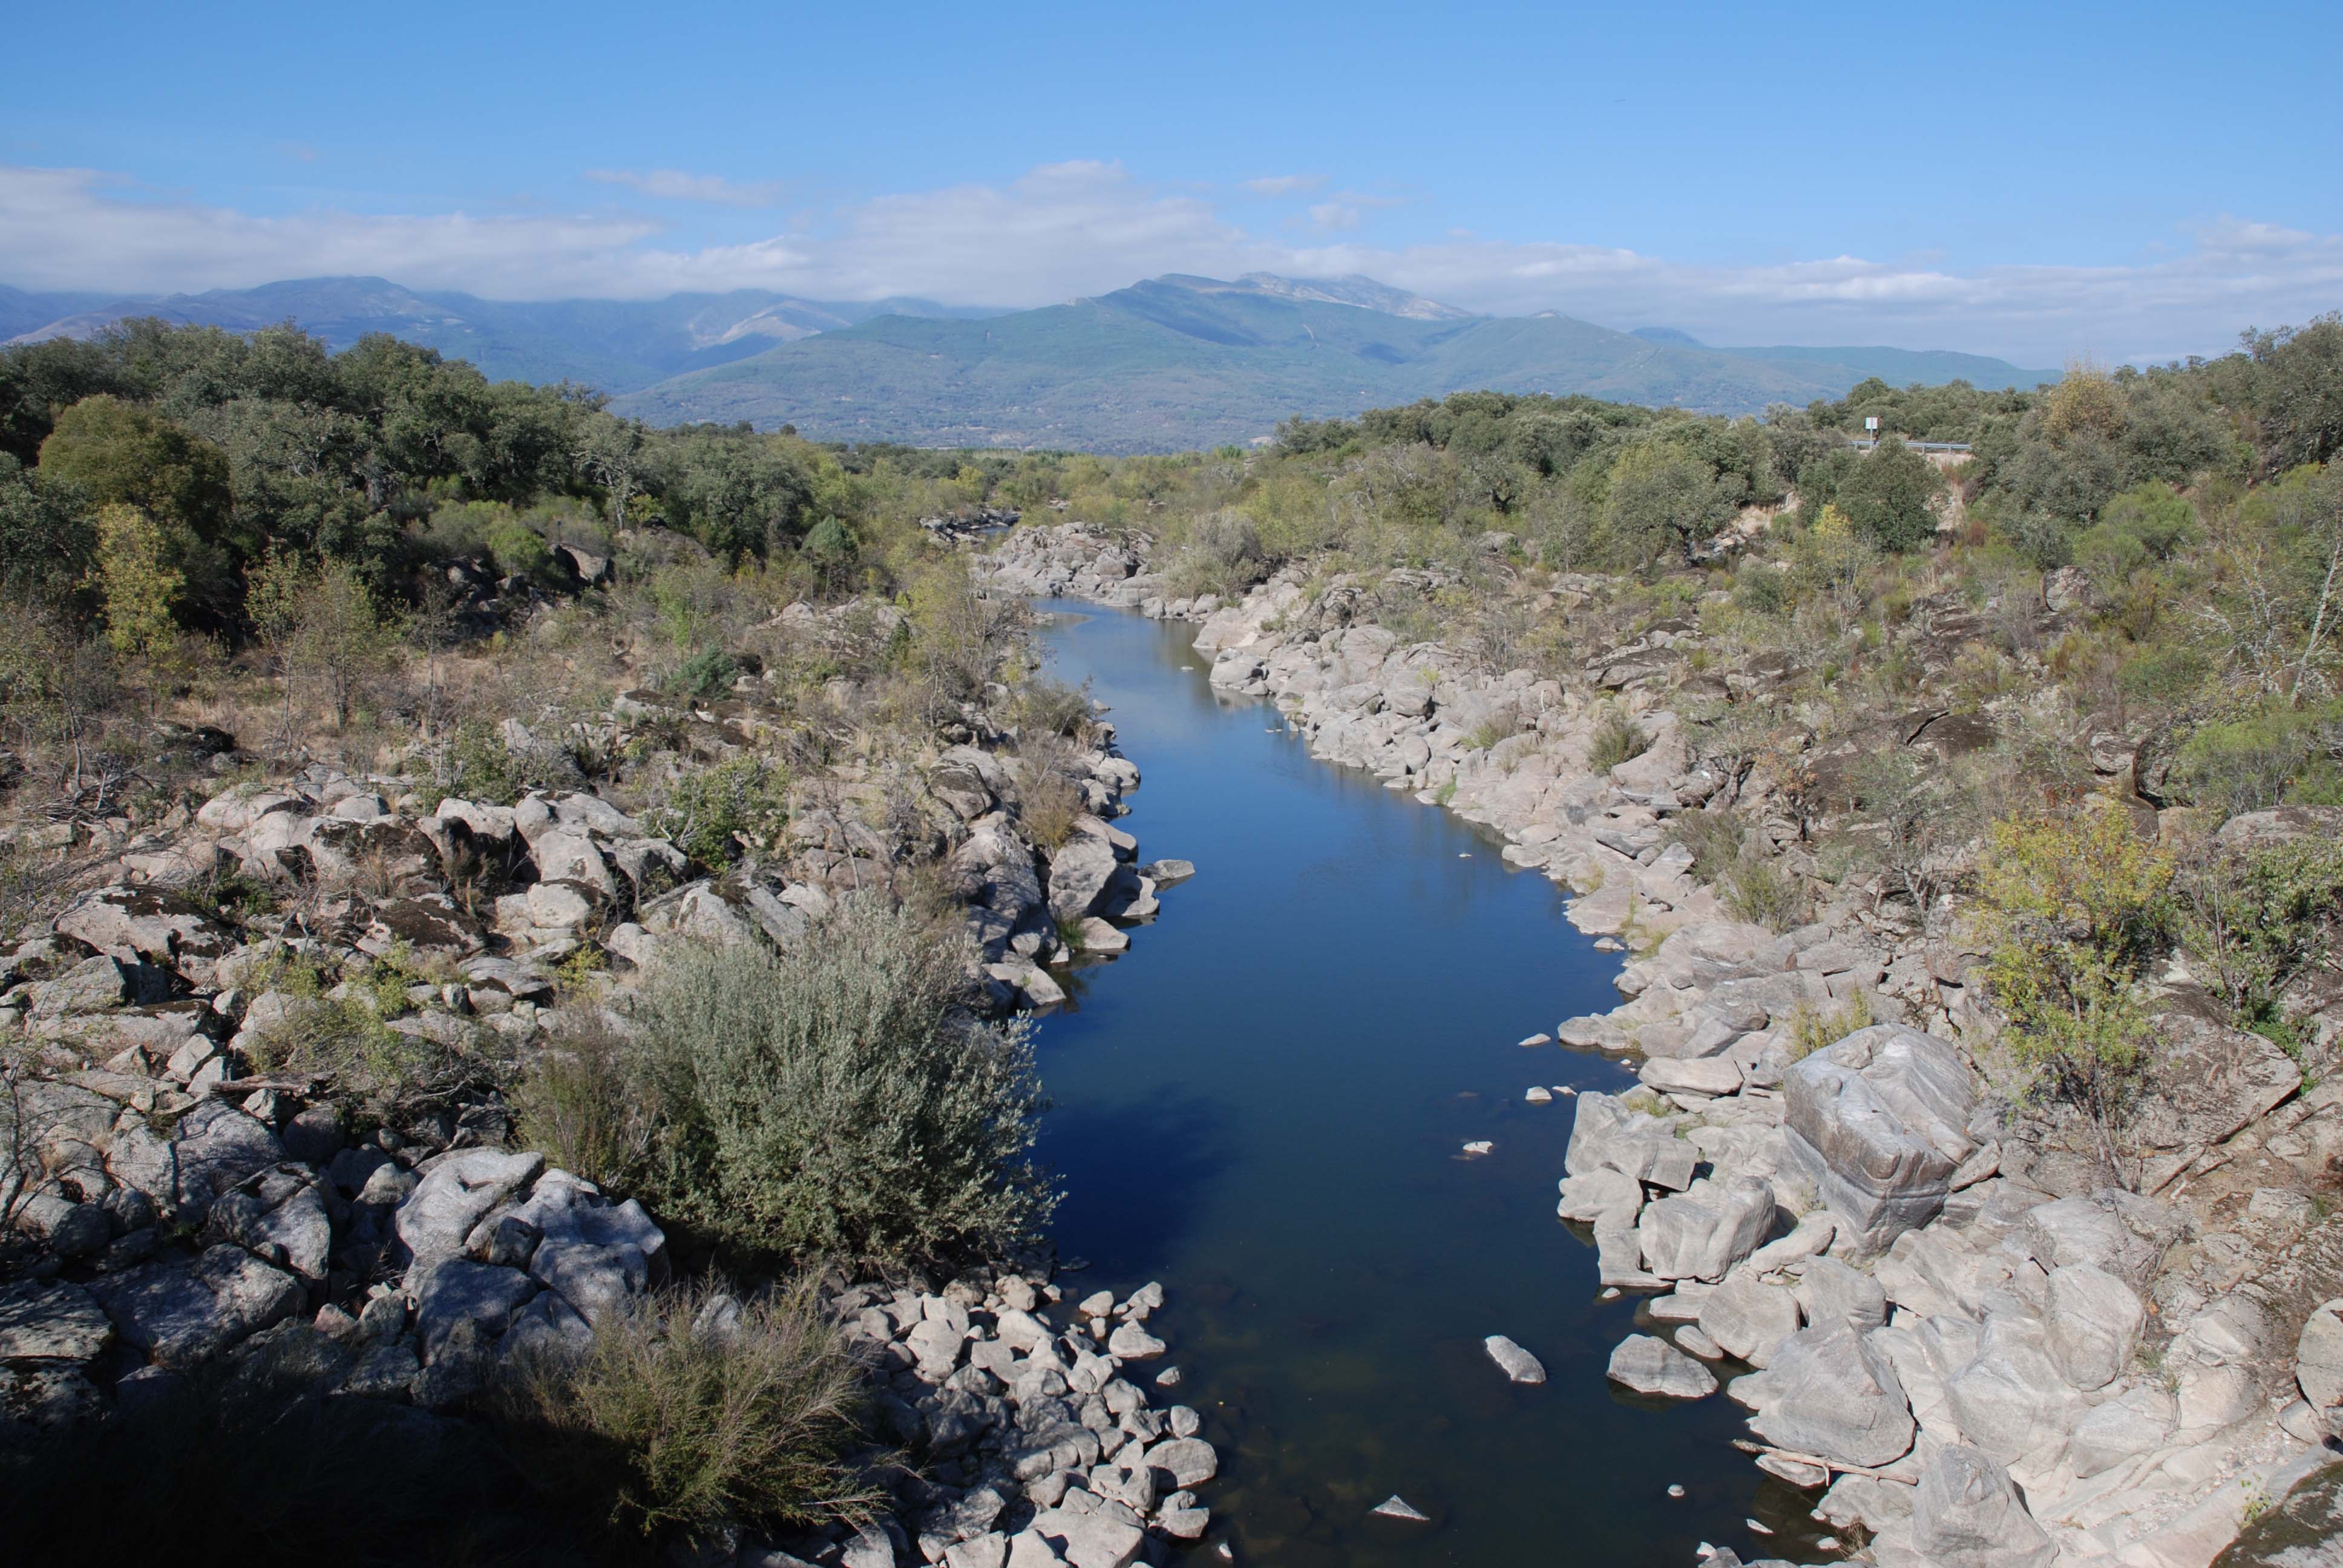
<point>1263,1105</point>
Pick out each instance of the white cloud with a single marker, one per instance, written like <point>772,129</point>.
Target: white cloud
<point>1078,228</point>
<point>674,185</point>
<point>1285,184</point>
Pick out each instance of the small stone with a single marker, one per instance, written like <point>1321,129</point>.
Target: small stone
<point>1539,1094</point>
<point>1518,1363</point>
<point>1539,1039</point>
<point>1397,1507</point>
<point>1675,1489</point>
<point>1168,1378</point>
<point>1475,1150</point>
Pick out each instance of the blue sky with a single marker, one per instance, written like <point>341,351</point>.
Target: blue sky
<point>2037,182</point>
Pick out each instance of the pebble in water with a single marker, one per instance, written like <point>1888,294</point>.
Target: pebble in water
<point>1479,1149</point>
<point>1565,1089</point>
<point>1168,1378</point>
<point>1539,1039</point>
<point>1675,1489</point>
<point>1397,1507</point>
<point>1539,1094</point>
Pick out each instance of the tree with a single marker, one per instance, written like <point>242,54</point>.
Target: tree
<point>1885,496</point>
<point>323,624</point>
<point>135,582</point>
<point>611,451</point>
<point>47,541</point>
<point>119,453</point>
<point>1661,494</point>
<point>2073,909</point>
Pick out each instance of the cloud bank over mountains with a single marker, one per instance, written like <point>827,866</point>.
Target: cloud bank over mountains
<point>1079,229</point>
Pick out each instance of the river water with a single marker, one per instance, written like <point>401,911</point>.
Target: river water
<point>1263,1105</point>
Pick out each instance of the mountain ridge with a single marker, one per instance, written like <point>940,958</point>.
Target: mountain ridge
<point>1169,362</point>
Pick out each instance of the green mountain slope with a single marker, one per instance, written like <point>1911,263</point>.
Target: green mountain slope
<point>1179,362</point>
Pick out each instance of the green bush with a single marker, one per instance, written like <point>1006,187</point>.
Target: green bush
<point>839,1099</point>
<point>1617,738</point>
<point>2253,763</point>
<point>2251,922</point>
<point>711,812</point>
<point>705,675</point>
<point>1759,588</point>
<point>682,1422</point>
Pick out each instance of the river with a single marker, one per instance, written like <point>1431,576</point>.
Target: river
<point>1263,1105</point>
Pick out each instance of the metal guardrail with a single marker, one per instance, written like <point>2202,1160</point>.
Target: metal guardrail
<point>1864,444</point>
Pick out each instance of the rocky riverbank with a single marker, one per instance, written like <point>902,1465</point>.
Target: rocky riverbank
<point>257,1118</point>
<point>1947,1326</point>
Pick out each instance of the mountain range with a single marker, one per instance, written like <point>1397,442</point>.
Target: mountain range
<point>1168,364</point>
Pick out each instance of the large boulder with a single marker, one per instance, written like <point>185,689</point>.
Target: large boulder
<point>1607,1135</point>
<point>1080,871</point>
<point>456,1193</point>
<point>2319,1356</point>
<point>2011,1399</point>
<point>179,1313</point>
<point>48,1320</point>
<point>1876,1121</point>
<point>1748,1318</point>
<point>1966,1514</point>
<point>1831,1393</point>
<point>1702,1233</point>
<point>2207,1080</point>
<point>2093,1322</point>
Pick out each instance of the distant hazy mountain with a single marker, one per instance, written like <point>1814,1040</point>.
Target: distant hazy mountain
<point>1896,367</point>
<point>1179,362</point>
<point>619,345</point>
<point>1172,363</point>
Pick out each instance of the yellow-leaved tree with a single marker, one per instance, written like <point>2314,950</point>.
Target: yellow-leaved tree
<point>2074,910</point>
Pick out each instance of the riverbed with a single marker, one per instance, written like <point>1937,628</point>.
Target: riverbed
<point>1264,1105</point>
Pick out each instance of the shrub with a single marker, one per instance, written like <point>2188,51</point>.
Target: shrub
<point>1048,803</point>
<point>2252,763</point>
<point>1761,589</point>
<point>1813,1028</point>
<point>1222,556</point>
<point>2073,909</point>
<point>2251,922</point>
<point>682,1420</point>
<point>839,1099</point>
<point>705,675</point>
<point>1763,893</point>
<point>1047,707</point>
<point>1617,738</point>
<point>709,813</point>
<point>582,1100</point>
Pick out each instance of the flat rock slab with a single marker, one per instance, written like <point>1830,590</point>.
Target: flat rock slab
<point>43,1320</point>
<point>1518,1363</point>
<point>179,1313</point>
<point>1651,1365</point>
<point>1397,1507</point>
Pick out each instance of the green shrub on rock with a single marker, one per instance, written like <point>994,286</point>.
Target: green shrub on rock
<point>839,1099</point>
